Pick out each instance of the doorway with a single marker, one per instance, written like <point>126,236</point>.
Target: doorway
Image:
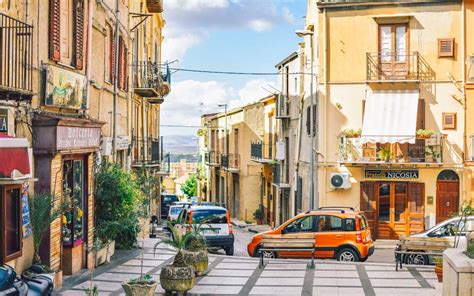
<point>447,195</point>
<point>236,194</point>
<point>393,208</point>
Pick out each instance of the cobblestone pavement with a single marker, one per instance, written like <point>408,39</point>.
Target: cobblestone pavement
<point>241,276</point>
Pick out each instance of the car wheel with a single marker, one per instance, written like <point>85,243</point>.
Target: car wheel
<point>347,255</point>
<point>416,259</point>
<point>269,254</point>
<point>229,251</point>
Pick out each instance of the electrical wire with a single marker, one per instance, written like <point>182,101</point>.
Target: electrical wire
<point>237,73</point>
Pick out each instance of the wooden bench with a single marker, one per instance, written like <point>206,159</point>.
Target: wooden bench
<point>287,243</point>
<point>427,246</point>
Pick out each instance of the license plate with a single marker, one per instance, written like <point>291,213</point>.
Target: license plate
<point>210,231</point>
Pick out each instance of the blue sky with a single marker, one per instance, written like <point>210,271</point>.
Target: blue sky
<point>224,35</point>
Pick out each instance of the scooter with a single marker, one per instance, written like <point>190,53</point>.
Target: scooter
<point>33,283</point>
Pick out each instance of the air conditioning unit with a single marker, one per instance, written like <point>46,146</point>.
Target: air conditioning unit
<point>340,181</point>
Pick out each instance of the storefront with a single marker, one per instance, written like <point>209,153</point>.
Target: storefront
<point>64,156</point>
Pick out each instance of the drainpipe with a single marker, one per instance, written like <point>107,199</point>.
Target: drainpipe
<point>114,124</point>
<point>326,89</point>
<point>463,71</point>
<point>89,50</point>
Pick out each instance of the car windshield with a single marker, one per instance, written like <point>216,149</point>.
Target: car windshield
<point>210,216</point>
<point>169,198</point>
<point>175,210</point>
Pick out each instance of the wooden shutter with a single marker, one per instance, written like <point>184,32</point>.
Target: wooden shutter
<point>54,30</point>
<point>420,119</point>
<point>112,56</point>
<point>120,63</point>
<point>78,47</point>
<point>446,47</point>
<point>125,68</point>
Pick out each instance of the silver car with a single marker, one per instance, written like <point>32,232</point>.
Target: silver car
<point>446,228</point>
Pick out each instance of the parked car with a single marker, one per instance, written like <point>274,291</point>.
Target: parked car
<point>166,200</point>
<point>445,229</point>
<point>341,233</point>
<point>175,210</point>
<point>216,228</point>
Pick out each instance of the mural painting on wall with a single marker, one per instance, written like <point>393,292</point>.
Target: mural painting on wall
<point>65,88</point>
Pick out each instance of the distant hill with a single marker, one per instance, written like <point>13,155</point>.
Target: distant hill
<point>180,144</point>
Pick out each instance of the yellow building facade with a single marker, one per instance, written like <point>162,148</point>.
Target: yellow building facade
<point>391,136</point>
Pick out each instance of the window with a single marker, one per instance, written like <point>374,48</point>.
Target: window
<point>308,119</point>
<point>449,121</point>
<point>73,188</point>
<point>10,226</point>
<point>349,224</point>
<point>108,52</point>
<point>304,224</point>
<point>329,223</point>
<point>393,43</point>
<point>299,195</point>
<point>66,29</point>
<point>210,216</point>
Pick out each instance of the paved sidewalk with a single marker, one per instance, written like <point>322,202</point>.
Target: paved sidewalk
<point>241,276</point>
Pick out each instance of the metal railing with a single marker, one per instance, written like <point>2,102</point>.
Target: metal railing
<point>352,150</point>
<point>16,55</point>
<point>230,161</point>
<point>212,157</point>
<point>147,150</point>
<point>261,151</point>
<point>393,66</point>
<point>283,107</point>
<point>149,81</point>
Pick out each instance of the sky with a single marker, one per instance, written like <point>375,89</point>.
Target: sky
<point>223,35</point>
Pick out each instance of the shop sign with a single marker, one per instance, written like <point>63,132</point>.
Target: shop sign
<point>65,88</point>
<point>3,120</point>
<point>77,137</point>
<point>392,174</point>
<point>122,143</point>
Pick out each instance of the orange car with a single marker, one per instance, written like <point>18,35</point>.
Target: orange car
<point>341,233</point>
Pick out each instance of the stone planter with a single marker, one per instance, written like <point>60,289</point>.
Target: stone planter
<point>104,254</point>
<point>139,290</point>
<point>458,273</point>
<point>198,260</point>
<point>177,278</point>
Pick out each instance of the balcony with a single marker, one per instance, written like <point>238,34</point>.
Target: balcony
<point>212,158</point>
<point>154,6</point>
<point>262,152</point>
<point>16,57</point>
<point>230,162</point>
<point>147,152</point>
<point>393,67</point>
<point>149,82</point>
<point>424,152</point>
<point>283,107</point>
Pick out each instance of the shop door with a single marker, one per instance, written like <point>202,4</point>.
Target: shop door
<point>384,216</point>
<point>236,188</point>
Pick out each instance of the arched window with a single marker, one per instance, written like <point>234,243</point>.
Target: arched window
<point>448,175</point>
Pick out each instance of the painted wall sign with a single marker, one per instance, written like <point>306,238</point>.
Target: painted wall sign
<point>4,120</point>
<point>77,137</point>
<point>65,88</point>
<point>392,174</point>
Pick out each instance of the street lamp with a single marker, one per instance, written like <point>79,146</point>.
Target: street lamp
<point>227,154</point>
<point>313,203</point>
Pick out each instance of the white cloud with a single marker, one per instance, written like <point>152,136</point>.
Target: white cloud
<point>195,4</point>
<point>287,15</point>
<point>175,47</point>
<point>260,25</point>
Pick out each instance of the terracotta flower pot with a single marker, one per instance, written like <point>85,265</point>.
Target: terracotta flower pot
<point>177,278</point>
<point>259,221</point>
<point>439,272</point>
<point>197,259</point>
<point>139,290</point>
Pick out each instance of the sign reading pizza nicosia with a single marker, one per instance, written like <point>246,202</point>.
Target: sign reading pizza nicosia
<point>392,174</point>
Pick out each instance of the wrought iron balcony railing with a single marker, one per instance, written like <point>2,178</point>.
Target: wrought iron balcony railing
<point>392,66</point>
<point>262,152</point>
<point>150,82</point>
<point>212,158</point>
<point>424,151</point>
<point>147,151</point>
<point>16,57</point>
<point>230,161</point>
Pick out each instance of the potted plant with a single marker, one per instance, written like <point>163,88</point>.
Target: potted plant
<point>439,268</point>
<point>177,276</point>
<point>44,209</point>
<point>195,254</point>
<point>424,133</point>
<point>385,154</point>
<point>352,133</point>
<point>258,215</point>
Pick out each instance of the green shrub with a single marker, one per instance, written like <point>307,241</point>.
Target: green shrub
<point>116,198</point>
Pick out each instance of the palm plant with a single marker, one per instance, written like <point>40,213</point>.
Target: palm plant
<point>178,242</point>
<point>42,213</point>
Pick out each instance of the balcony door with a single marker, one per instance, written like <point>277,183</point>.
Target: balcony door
<point>393,49</point>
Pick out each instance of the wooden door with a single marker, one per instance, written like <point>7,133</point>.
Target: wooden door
<point>385,210</point>
<point>393,49</point>
<point>416,207</point>
<point>447,199</point>
<point>368,204</point>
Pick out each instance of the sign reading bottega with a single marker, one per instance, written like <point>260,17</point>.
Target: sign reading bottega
<point>392,174</point>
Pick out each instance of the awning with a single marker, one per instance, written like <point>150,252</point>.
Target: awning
<point>390,117</point>
<point>14,157</point>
